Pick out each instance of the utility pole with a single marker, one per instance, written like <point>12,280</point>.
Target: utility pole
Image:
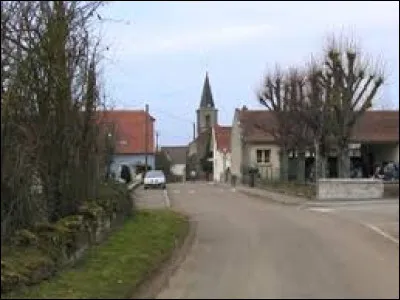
<point>157,135</point>
<point>146,130</point>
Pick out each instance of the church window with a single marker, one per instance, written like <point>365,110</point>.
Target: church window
<point>207,121</point>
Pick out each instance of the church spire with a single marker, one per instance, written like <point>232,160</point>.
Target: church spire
<point>207,100</point>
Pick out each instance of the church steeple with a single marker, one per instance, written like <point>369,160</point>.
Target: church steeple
<point>207,114</point>
<point>207,100</point>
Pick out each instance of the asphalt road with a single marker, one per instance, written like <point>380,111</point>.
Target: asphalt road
<point>382,216</point>
<point>249,248</point>
<point>151,198</point>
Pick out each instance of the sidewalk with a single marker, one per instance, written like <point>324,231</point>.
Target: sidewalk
<point>271,196</point>
<point>297,200</point>
<point>268,195</point>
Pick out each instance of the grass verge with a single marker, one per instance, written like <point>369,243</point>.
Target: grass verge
<point>115,268</point>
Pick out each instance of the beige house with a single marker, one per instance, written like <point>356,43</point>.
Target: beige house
<point>375,139</point>
<point>221,149</point>
<point>251,146</point>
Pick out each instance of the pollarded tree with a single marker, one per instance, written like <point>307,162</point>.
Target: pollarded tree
<point>315,112</point>
<point>352,85</point>
<point>280,95</point>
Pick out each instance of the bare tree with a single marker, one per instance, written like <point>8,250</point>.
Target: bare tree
<point>280,95</point>
<point>316,114</point>
<point>49,99</point>
<point>351,84</point>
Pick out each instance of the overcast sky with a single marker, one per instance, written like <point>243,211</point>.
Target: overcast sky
<point>160,51</point>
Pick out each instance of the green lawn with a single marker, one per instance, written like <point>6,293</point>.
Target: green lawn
<point>114,268</point>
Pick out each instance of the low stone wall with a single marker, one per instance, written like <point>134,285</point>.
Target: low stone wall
<point>61,244</point>
<point>349,189</point>
<point>391,189</point>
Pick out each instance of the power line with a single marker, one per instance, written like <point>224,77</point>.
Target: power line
<point>172,115</point>
<point>168,134</point>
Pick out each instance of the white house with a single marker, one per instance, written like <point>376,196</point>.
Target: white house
<point>221,148</point>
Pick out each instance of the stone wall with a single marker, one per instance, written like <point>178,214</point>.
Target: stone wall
<point>62,244</point>
<point>349,189</point>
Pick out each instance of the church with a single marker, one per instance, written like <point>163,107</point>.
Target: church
<point>201,156</point>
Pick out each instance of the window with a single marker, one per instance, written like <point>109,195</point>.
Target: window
<point>259,156</point>
<point>207,121</point>
<point>263,155</point>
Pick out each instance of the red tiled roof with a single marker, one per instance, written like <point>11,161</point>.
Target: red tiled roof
<point>223,137</point>
<point>377,126</point>
<point>130,130</point>
<point>374,126</point>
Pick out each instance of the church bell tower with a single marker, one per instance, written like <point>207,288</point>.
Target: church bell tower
<point>207,114</point>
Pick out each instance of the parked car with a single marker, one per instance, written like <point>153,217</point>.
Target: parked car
<point>155,179</point>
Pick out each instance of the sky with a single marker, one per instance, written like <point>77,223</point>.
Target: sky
<point>159,52</point>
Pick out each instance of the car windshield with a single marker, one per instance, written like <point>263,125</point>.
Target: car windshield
<point>154,174</point>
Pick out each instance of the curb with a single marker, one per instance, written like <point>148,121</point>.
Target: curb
<point>265,198</point>
<point>159,278</point>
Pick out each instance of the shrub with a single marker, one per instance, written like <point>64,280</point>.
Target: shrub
<point>36,254</point>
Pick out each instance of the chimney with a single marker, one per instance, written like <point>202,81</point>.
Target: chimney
<point>244,107</point>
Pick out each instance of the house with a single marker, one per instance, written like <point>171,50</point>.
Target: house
<point>374,139</point>
<point>132,132</point>
<point>221,147</point>
<point>177,157</point>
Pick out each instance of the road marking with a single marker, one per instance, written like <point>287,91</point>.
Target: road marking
<point>382,233</point>
<point>321,209</point>
<point>166,199</point>
<point>353,202</point>
<point>177,191</point>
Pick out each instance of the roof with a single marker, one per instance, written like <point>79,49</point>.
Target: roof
<point>377,126</point>
<point>207,100</point>
<point>130,130</point>
<point>201,141</point>
<point>252,120</point>
<point>177,154</point>
<point>223,137</point>
<point>374,126</point>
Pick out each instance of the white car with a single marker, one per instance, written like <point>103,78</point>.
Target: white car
<point>154,178</point>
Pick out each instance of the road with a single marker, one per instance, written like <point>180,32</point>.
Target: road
<point>249,248</point>
<point>151,198</point>
<point>382,216</point>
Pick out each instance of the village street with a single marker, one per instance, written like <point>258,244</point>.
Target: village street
<point>249,248</point>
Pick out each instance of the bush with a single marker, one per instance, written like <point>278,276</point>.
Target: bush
<point>36,254</point>
<point>115,197</point>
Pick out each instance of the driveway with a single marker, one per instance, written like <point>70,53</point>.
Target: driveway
<point>249,248</point>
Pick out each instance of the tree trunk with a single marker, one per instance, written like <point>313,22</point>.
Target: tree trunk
<point>323,166</point>
<point>301,167</point>
<point>284,165</point>
<point>343,162</point>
